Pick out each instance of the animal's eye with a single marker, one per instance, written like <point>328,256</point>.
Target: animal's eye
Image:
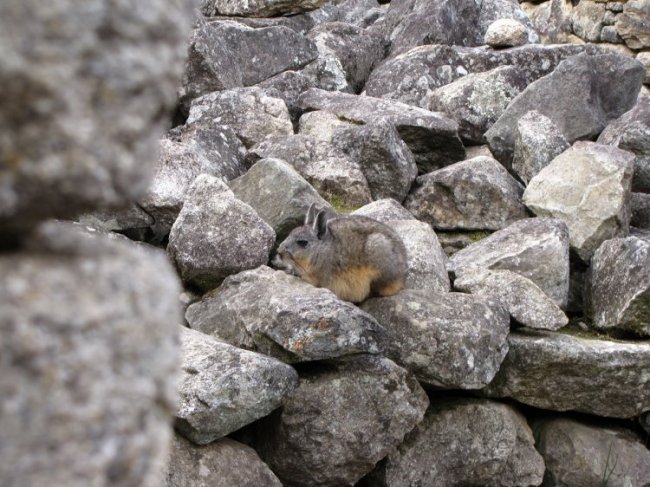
<point>302,243</point>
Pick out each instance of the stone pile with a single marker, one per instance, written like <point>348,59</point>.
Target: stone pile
<point>515,172</point>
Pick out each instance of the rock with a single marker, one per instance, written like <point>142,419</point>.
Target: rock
<point>633,24</point>
<point>452,242</point>
<point>448,340</point>
<point>644,421</point>
<point>357,49</point>
<point>644,58</point>
<point>562,372</point>
<point>581,453</point>
<point>464,441</point>
<point>74,136</point>
<point>587,187</point>
<point>384,159</point>
<point>226,54</point>
<point>280,315</point>
<point>640,209</point>
<point>216,235</point>
<point>132,220</point>
<point>185,153</point>
<point>223,388</point>
<point>279,195</point>
<point>335,176</point>
<point>613,80</point>
<point>265,8</point>
<point>520,296</point>
<point>384,210</point>
<point>551,20</point>
<point>536,248</point>
<point>477,194</point>
<point>477,100</point>
<point>326,71</point>
<point>506,33</point>
<point>288,86</point>
<point>537,142</point>
<point>320,124</point>
<point>587,20</point>
<point>344,417</point>
<point>410,77</point>
<point>250,112</point>
<point>88,324</point>
<point>426,261</point>
<point>631,132</point>
<point>619,290</point>
<point>432,137</point>
<point>224,463</point>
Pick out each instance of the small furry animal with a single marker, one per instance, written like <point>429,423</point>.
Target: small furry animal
<point>353,256</point>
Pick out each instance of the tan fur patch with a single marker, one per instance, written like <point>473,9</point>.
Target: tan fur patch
<point>305,270</point>
<point>353,284</point>
<point>391,288</point>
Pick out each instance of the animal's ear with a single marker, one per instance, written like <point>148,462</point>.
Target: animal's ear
<point>311,214</point>
<point>320,224</point>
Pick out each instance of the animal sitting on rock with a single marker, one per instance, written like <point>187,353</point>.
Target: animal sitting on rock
<point>353,256</point>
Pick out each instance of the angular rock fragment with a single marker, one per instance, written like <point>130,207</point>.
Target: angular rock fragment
<point>288,86</point>
<point>580,453</point>
<point>432,137</point>
<point>464,441</point>
<point>633,24</point>
<point>216,235</point>
<point>619,286</point>
<point>344,417</point>
<point>560,372</point>
<point>224,463</point>
<point>587,20</point>
<point>536,248</point>
<point>551,20</point>
<point>264,8</point>
<point>450,340</point>
<point>131,221</point>
<point>506,33</point>
<point>384,210</point>
<point>477,194</point>
<point>223,388</point>
<point>520,296</point>
<point>640,209</point>
<point>587,187</point>
<point>283,316</point>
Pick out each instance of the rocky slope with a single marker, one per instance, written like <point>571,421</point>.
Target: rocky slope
<point>507,143</point>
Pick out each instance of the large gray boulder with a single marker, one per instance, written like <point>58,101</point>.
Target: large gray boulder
<point>450,340</point>
<point>536,248</point>
<point>633,24</point>
<point>227,54</point>
<point>344,417</point>
<point>619,286</point>
<point>464,441</point>
<point>283,316</point>
<point>631,132</point>
<point>88,324</point>
<point>581,454</point>
<point>587,20</point>
<point>224,463</point>
<point>74,136</point>
<point>216,235</point>
<point>614,82</point>
<point>561,372</point>
<point>588,187</point>
<point>432,137</point>
<point>477,194</point>
<point>279,195</point>
<point>223,388</point>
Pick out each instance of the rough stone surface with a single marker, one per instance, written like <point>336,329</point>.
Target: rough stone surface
<point>280,315</point>
<point>327,433</point>
<point>216,235</point>
<point>74,136</point>
<point>250,112</point>
<point>631,132</point>
<point>587,20</point>
<point>432,137</point>
<point>562,372</point>
<point>506,33</point>
<point>334,174</point>
<point>640,209</point>
<point>279,195</point>
<point>123,220</point>
<point>426,261</point>
<point>88,323</point>
<point>614,82</point>
<point>224,463</point>
<point>288,86</point>
<point>587,187</point>
<point>477,100</point>
<point>536,248</point>
<point>537,142</point>
<point>385,210</point>
<point>320,124</point>
<point>619,290</point>
<point>384,159</point>
<point>264,8</point>
<point>580,454</point>
<point>223,388</point>
<point>520,296</point>
<point>633,24</point>
<point>451,340</point>
<point>644,58</point>
<point>226,54</point>
<point>477,194</point>
<point>551,20</point>
<point>464,441</point>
